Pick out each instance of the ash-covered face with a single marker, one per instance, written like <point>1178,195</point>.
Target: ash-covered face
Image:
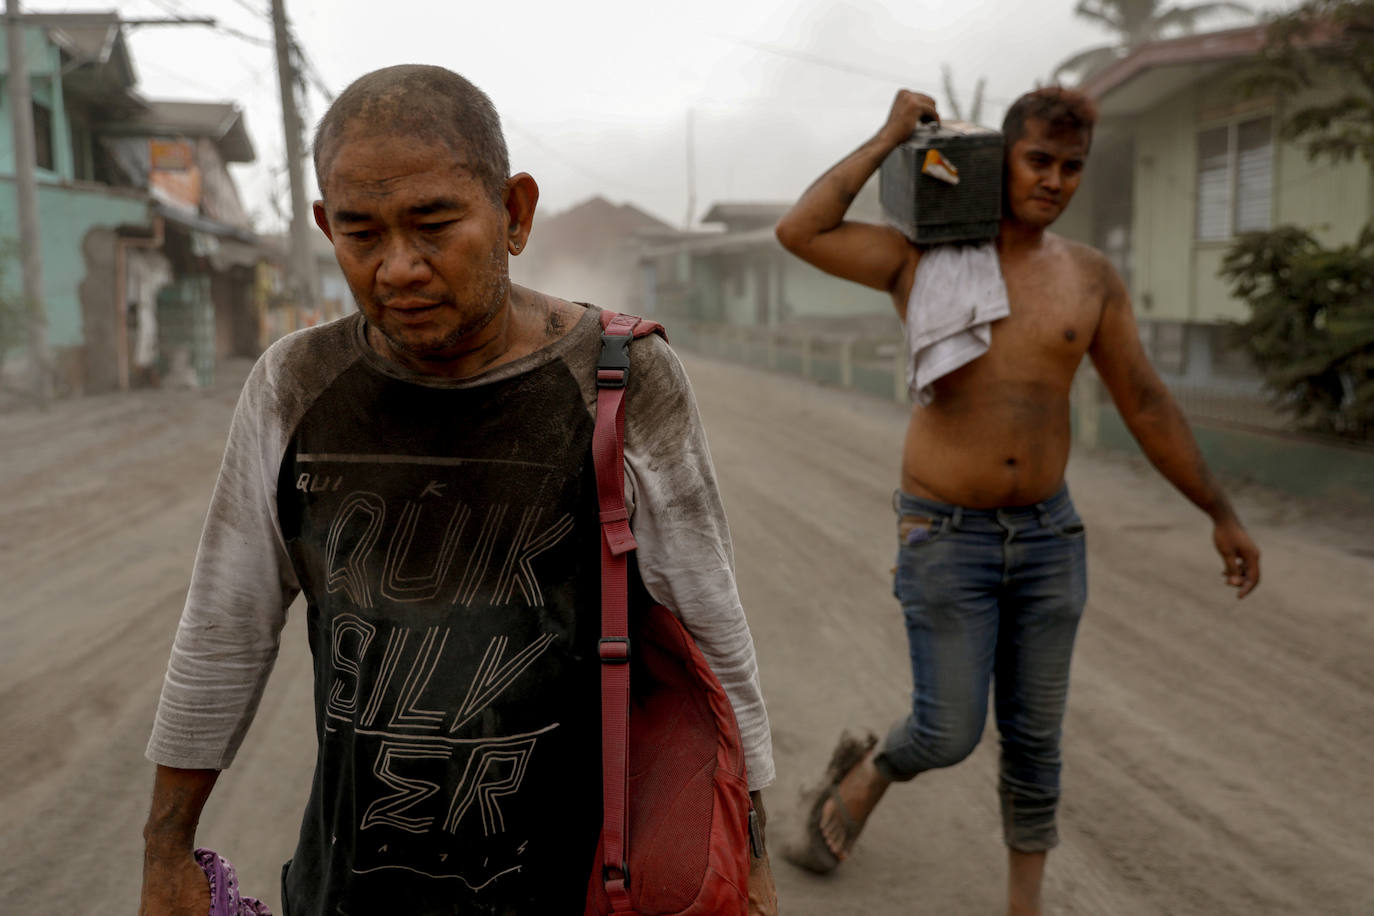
<point>420,240</point>
<point>1043,170</point>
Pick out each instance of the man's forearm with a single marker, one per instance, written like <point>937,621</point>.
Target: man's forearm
<point>179,796</point>
<point>1167,440</point>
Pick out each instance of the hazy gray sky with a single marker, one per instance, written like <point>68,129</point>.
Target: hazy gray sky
<point>595,94</point>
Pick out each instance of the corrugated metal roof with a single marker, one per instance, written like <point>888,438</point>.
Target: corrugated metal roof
<point>218,121</point>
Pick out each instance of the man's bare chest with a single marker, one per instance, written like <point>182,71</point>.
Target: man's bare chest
<point>1054,315</point>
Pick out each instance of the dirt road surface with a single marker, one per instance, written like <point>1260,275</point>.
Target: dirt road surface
<point>1219,755</point>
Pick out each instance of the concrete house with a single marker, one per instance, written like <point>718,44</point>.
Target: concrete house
<point>148,253</point>
<point>740,275</point>
<point>589,252</point>
<point>1182,163</point>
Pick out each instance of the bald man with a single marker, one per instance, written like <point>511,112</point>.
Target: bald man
<point>420,472</point>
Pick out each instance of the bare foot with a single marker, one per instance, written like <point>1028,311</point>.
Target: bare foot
<point>859,792</point>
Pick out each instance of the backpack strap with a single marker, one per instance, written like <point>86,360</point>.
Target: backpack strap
<point>608,458</point>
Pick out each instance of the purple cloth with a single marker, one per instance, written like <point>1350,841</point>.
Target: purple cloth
<point>224,888</point>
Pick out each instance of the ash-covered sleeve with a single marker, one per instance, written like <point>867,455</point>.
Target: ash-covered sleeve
<point>685,557</point>
<point>241,585</point>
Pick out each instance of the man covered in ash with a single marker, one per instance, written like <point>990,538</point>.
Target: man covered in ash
<point>991,571</point>
<point>421,471</point>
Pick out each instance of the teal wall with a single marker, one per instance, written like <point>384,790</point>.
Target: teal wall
<point>44,64</point>
<point>65,215</point>
<point>1302,467</point>
<point>738,289</point>
<point>808,292</point>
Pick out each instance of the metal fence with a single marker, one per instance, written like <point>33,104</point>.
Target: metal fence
<point>877,365</point>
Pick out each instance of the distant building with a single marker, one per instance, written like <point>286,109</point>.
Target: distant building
<point>279,313</point>
<point>148,253</point>
<point>740,275</point>
<point>1181,165</point>
<point>589,253</point>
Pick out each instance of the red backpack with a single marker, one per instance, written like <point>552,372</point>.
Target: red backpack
<point>675,834</point>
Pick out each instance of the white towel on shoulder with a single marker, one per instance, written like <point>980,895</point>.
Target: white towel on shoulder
<point>957,294</point>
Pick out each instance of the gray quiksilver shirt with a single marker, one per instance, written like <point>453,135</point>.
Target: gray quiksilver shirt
<point>444,534</point>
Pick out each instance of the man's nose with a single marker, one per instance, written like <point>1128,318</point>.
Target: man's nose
<point>402,265</point>
<point>1053,179</point>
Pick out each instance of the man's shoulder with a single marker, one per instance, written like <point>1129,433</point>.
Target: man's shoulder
<point>305,361</point>
<point>1090,262</point>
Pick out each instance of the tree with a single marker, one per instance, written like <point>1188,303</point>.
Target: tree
<point>1136,22</point>
<point>1311,325</point>
<point>975,112</point>
<point>1322,43</point>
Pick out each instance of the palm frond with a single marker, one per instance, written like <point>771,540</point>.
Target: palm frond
<point>1101,13</point>
<point>1086,63</point>
<point>1186,18</point>
<point>950,95</point>
<point>976,112</point>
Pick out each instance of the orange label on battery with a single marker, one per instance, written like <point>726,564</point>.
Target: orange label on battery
<point>937,166</point>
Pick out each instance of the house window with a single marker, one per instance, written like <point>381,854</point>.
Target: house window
<point>42,136</point>
<point>1235,179</point>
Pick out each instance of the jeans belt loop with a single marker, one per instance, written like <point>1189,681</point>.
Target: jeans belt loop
<point>956,518</point>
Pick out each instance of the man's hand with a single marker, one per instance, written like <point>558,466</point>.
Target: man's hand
<point>763,897</point>
<point>173,885</point>
<point>908,109</point>
<point>1239,554</point>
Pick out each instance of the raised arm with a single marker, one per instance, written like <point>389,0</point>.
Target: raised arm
<point>1157,423</point>
<point>816,231</point>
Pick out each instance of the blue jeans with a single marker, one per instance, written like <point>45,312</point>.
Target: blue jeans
<point>990,596</point>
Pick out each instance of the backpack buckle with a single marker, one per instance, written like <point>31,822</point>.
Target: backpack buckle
<point>613,650</point>
<point>613,368</point>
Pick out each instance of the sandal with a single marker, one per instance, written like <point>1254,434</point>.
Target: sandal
<point>813,853</point>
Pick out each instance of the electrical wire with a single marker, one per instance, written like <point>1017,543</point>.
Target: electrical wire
<point>818,60</point>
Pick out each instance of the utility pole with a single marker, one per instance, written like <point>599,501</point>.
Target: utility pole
<point>691,174</point>
<point>26,194</point>
<point>302,275</point>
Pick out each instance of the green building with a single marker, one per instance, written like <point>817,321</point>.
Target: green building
<point>135,202</point>
<point>1182,163</point>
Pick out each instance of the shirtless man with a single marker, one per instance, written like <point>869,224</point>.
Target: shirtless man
<point>991,571</point>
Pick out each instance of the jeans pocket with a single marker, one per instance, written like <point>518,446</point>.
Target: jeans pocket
<point>915,531</point>
<point>914,539</point>
<point>1070,529</point>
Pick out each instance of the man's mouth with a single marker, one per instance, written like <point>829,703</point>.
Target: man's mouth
<point>411,309</point>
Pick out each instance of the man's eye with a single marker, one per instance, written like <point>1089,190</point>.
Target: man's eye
<point>436,226</point>
<point>361,235</point>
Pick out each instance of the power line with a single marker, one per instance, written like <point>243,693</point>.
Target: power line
<point>308,68</point>
<point>244,36</point>
<point>181,15</point>
<point>575,166</point>
<point>818,60</point>
<point>260,13</point>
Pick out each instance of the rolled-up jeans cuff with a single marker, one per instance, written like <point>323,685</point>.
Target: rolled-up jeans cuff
<point>1039,833</point>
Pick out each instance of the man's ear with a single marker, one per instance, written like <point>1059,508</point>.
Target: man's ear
<point>520,198</point>
<point>322,220</point>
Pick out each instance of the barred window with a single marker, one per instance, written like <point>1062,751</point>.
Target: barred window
<point>1235,179</point>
